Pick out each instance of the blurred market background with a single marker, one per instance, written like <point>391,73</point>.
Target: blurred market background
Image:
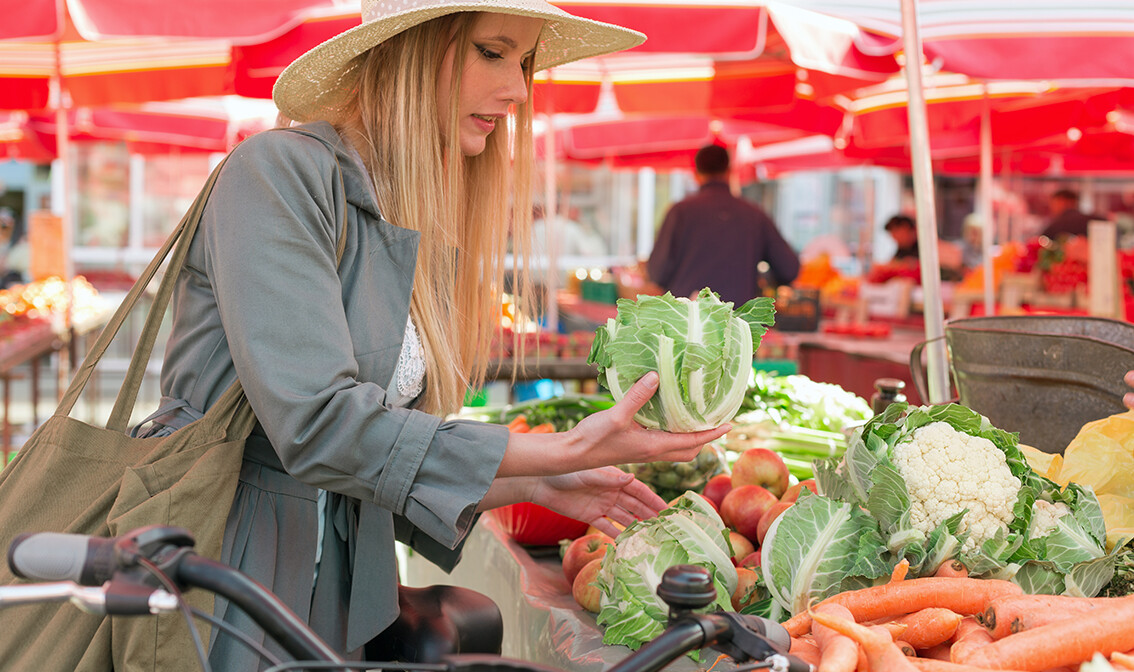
<point>110,122</point>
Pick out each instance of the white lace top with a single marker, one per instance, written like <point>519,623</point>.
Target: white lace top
<point>409,376</point>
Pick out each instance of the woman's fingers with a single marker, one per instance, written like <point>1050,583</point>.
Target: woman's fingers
<point>638,394</point>
<point>1128,398</point>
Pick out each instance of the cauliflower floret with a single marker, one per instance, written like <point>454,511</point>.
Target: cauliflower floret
<point>1045,517</point>
<point>947,471</point>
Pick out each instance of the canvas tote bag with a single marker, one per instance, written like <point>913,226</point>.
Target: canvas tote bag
<point>79,478</point>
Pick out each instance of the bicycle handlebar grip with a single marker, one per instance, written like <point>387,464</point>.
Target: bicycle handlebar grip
<point>56,556</point>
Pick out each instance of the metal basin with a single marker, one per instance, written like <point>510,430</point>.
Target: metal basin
<point>1043,376</point>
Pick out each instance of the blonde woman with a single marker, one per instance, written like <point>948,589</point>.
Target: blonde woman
<point>424,111</point>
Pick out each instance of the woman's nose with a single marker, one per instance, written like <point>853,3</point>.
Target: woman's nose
<point>516,87</point>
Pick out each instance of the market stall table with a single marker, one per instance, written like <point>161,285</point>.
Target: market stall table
<point>855,362</point>
<point>542,622</point>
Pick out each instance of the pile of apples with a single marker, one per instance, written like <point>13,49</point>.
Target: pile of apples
<point>749,499</point>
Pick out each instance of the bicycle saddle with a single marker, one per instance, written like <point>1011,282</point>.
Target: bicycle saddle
<point>437,621</point>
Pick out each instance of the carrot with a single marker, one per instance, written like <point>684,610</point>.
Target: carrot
<point>805,649</point>
<point>900,571</point>
<point>964,596</point>
<point>838,653</point>
<point>895,629</point>
<point>1008,615</point>
<point>907,648</point>
<point>970,635</point>
<point>952,569</point>
<point>1105,629</point>
<point>518,424</point>
<point>542,428</point>
<point>930,626</point>
<point>881,653</point>
<point>925,664</point>
<point>939,652</point>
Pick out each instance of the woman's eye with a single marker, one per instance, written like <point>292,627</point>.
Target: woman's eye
<point>488,53</point>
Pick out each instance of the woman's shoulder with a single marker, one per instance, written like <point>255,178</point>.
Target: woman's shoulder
<point>297,145</point>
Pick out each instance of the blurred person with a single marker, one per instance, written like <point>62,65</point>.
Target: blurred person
<point>903,229</point>
<point>717,240</point>
<point>13,251</point>
<point>1066,218</point>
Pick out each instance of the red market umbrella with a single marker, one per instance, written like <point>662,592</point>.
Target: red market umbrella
<point>1092,40</point>
<point>154,51</point>
<point>191,125</point>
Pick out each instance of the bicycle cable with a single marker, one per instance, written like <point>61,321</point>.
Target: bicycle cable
<point>151,567</point>
<point>238,634</point>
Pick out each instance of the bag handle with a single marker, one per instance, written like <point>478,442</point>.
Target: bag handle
<point>182,236</point>
<point>917,370</point>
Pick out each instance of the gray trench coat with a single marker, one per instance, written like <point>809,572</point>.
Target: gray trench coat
<point>314,348</point>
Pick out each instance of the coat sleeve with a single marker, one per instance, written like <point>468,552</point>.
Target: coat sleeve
<point>269,233</point>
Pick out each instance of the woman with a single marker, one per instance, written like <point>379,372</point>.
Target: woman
<point>1128,398</point>
<point>351,366</point>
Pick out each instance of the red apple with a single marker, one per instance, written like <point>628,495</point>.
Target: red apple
<point>741,546</point>
<point>743,506</point>
<point>584,589</point>
<point>581,551</point>
<point>792,493</point>
<point>769,517</point>
<point>716,489</point>
<point>744,594</point>
<point>752,560</point>
<point>763,467</point>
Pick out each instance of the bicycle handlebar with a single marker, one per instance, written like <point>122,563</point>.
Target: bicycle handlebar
<point>114,565</point>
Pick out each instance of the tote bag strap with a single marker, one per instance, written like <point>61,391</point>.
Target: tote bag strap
<point>182,237</point>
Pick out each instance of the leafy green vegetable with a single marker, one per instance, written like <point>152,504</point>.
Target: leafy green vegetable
<point>798,401</point>
<point>671,479</point>
<point>563,412</point>
<point>702,351</point>
<point>689,532</point>
<point>819,547</point>
<point>1064,554</point>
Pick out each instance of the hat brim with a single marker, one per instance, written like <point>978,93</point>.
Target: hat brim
<point>318,84</point>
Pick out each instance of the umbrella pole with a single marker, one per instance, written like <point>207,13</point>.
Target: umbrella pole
<point>62,151</point>
<point>985,205</point>
<point>937,372</point>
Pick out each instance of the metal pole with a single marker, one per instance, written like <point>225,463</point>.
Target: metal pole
<point>937,371</point>
<point>985,205</point>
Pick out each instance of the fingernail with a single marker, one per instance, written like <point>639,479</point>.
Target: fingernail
<point>651,379</point>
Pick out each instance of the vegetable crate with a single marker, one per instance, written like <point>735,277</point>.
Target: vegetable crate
<point>799,311</point>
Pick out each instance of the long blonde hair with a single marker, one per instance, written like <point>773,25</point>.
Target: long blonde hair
<point>464,207</point>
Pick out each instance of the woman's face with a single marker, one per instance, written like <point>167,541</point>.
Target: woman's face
<point>494,77</point>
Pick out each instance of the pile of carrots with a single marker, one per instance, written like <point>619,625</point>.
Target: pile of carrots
<point>960,624</point>
<point>519,424</point>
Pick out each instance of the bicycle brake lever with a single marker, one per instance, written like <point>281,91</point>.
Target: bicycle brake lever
<point>745,644</point>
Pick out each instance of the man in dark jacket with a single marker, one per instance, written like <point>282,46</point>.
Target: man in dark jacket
<point>716,240</point>
<point>1066,218</point>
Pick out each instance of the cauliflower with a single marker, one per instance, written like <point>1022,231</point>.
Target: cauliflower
<point>947,471</point>
<point>1045,517</point>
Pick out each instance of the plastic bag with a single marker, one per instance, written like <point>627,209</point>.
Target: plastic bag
<point>1100,456</point>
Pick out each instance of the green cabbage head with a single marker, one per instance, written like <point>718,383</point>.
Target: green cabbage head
<point>688,533</point>
<point>702,350</point>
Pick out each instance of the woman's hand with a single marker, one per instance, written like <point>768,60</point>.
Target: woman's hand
<point>598,496</point>
<point>1128,398</point>
<point>614,437</point>
<point>603,439</point>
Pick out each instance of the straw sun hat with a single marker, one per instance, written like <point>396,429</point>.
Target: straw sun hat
<point>319,83</point>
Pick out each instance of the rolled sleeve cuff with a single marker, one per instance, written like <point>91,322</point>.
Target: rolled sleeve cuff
<point>437,482</point>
